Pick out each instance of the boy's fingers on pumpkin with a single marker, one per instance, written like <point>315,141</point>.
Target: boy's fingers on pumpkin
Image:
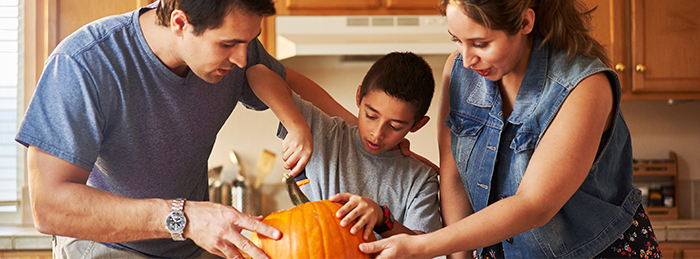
<point>368,231</point>
<point>359,224</point>
<point>346,208</point>
<point>340,198</point>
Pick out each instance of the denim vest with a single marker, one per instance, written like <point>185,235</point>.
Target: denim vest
<point>492,154</point>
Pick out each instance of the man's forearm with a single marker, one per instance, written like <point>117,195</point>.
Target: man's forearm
<point>63,205</point>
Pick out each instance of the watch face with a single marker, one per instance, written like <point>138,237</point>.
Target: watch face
<point>175,222</point>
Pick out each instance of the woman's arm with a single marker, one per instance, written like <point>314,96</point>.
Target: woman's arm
<point>556,170</point>
<point>454,202</point>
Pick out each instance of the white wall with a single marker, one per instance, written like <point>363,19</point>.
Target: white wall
<point>656,127</point>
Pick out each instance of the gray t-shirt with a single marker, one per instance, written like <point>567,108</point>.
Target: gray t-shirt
<point>340,164</point>
<point>106,103</point>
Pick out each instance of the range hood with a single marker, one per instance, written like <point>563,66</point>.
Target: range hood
<point>361,35</point>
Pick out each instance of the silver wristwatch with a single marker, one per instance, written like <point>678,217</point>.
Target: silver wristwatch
<point>176,221</point>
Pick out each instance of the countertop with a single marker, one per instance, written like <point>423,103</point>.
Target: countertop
<point>23,238</point>
<point>28,238</point>
<point>676,230</point>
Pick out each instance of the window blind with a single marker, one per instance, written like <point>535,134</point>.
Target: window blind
<point>10,175</point>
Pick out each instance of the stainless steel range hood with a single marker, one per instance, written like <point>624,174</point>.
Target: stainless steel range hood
<point>361,35</point>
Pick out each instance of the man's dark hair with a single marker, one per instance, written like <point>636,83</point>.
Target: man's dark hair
<point>209,14</point>
<point>402,75</point>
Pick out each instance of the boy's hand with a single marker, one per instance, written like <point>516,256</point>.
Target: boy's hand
<point>297,148</point>
<point>363,211</point>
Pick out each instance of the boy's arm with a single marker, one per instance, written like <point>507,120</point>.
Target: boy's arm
<point>312,92</point>
<point>274,92</point>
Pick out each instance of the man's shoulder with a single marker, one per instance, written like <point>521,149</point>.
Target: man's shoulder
<point>111,28</point>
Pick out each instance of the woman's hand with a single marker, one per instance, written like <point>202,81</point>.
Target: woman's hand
<point>363,211</point>
<point>389,247</point>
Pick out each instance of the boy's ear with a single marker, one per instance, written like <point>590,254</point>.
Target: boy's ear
<point>420,123</point>
<point>357,96</point>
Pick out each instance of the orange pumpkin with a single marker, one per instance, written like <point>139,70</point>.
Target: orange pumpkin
<point>310,230</point>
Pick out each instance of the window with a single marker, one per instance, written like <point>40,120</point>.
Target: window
<point>11,172</point>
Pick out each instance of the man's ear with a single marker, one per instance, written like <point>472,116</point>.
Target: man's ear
<point>420,123</point>
<point>357,96</point>
<point>178,22</point>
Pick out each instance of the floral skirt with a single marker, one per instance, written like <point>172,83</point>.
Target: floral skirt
<point>638,241</point>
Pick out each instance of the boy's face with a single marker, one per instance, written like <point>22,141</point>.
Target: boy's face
<point>215,52</point>
<point>383,121</point>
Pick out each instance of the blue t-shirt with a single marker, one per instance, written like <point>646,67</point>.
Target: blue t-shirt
<point>106,103</point>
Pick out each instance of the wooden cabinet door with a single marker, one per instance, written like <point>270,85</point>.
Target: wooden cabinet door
<point>72,14</point>
<point>332,4</point>
<point>609,27</point>
<point>691,253</point>
<point>664,40</point>
<point>411,4</point>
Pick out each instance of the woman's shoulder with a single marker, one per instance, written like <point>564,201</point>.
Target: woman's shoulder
<point>570,71</point>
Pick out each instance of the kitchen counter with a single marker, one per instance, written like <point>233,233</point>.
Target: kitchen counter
<point>23,238</point>
<point>676,230</point>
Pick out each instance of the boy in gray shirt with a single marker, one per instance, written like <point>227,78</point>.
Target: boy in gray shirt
<point>361,166</point>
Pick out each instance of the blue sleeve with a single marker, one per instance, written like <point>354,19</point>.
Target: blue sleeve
<point>63,117</point>
<point>258,55</point>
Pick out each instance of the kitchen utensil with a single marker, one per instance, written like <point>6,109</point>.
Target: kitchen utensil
<point>214,180</point>
<point>295,194</point>
<point>265,163</point>
<point>234,159</point>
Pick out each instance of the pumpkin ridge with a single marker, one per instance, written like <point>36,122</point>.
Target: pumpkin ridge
<point>320,222</point>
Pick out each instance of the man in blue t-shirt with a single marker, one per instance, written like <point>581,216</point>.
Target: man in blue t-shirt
<point>124,118</point>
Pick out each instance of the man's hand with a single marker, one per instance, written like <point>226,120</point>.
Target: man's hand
<point>217,228</point>
<point>363,211</point>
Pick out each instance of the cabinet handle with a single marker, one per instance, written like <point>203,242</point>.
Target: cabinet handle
<point>620,67</point>
<point>641,68</point>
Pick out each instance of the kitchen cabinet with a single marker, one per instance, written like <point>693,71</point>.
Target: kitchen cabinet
<point>47,22</point>
<point>680,249</point>
<point>652,45</point>
<point>356,7</point>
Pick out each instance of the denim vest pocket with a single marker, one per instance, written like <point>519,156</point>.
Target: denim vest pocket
<point>461,124</point>
<point>464,130</point>
<point>525,140</point>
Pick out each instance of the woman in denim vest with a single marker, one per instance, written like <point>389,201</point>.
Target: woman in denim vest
<point>535,156</point>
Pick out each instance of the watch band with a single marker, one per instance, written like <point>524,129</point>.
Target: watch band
<point>388,223</point>
<point>178,207</point>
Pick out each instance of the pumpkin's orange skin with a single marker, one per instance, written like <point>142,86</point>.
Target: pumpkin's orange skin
<point>310,230</point>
